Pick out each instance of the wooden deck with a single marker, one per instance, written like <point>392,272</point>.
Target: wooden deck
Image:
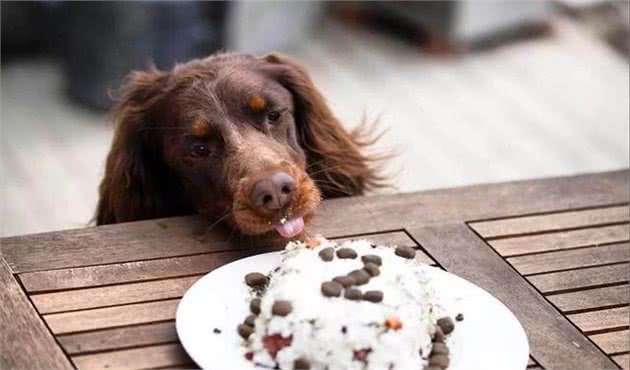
<point>555,251</point>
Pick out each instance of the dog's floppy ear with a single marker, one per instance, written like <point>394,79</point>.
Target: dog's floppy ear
<point>334,156</point>
<point>129,190</point>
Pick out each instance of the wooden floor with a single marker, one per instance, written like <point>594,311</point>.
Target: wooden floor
<point>554,251</point>
<point>552,106</point>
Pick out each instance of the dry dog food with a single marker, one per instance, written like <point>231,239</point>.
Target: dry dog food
<point>369,308</point>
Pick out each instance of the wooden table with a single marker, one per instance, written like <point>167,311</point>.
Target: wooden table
<point>555,251</point>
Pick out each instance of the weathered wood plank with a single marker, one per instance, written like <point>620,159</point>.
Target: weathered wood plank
<point>612,342</point>
<point>561,240</point>
<point>133,241</point>
<point>25,342</point>
<point>490,201</point>
<point>182,236</point>
<point>554,341</point>
<point>552,222</point>
<point>390,238</point>
<point>582,278</point>
<point>603,319</point>
<point>591,298</point>
<point>92,276</point>
<point>561,260</point>
<point>119,338</point>
<point>108,317</point>
<point>137,358</point>
<point>80,299</point>
<point>623,361</point>
<point>395,238</point>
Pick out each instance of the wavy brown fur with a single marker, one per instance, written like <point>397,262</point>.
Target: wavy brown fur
<point>139,185</point>
<point>336,158</point>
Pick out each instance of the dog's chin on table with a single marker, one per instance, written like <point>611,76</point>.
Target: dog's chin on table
<point>274,235</point>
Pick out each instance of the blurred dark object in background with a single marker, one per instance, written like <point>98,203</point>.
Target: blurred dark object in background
<point>100,42</point>
<point>453,26</point>
<point>24,29</point>
<point>608,20</point>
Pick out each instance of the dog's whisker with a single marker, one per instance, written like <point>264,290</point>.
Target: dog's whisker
<point>314,164</point>
<point>342,191</point>
<point>324,181</point>
<point>332,186</point>
<point>322,170</point>
<point>338,191</point>
<point>219,220</point>
<point>325,169</point>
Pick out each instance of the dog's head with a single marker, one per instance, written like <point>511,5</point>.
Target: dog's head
<point>231,136</point>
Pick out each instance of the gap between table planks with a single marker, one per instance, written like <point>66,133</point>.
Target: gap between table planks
<point>554,341</point>
<point>42,259</point>
<point>155,238</point>
<point>580,261</point>
<point>25,341</point>
<point>92,346</point>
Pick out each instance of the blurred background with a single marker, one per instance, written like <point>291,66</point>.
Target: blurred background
<point>469,92</point>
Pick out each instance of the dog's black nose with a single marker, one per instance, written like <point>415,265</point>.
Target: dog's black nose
<point>273,192</point>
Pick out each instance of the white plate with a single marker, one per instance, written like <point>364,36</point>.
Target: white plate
<point>489,338</point>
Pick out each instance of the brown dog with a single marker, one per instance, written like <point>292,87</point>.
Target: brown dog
<point>234,137</point>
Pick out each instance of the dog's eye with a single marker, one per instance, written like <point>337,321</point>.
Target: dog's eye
<point>273,116</point>
<point>199,150</point>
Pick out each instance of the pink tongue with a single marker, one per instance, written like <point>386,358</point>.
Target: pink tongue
<point>291,228</point>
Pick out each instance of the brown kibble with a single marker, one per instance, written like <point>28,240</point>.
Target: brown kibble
<point>439,348</point>
<point>361,355</point>
<point>254,306</point>
<point>405,252</point>
<point>446,324</point>
<point>459,317</point>
<point>360,276</point>
<point>346,253</point>
<point>245,331</point>
<point>281,308</point>
<point>255,279</point>
<point>250,320</point>
<point>372,269</point>
<point>374,296</point>
<point>331,289</point>
<point>312,243</point>
<point>439,335</point>
<point>393,323</point>
<point>301,364</point>
<point>353,294</point>
<point>372,258</point>
<point>327,254</point>
<point>439,361</point>
<point>345,281</point>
